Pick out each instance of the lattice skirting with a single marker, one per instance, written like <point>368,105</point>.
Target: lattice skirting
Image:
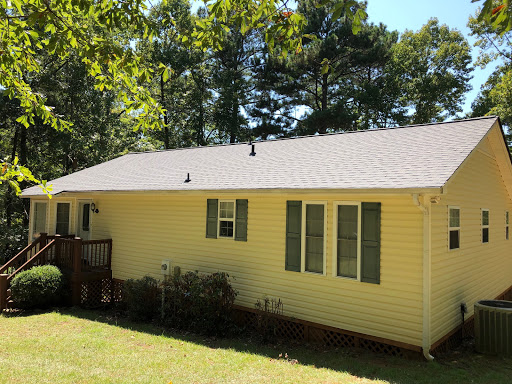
<point>98,293</point>
<point>307,332</point>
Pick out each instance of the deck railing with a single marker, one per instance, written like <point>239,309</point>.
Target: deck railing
<point>71,254</point>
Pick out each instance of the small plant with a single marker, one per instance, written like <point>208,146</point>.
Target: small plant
<point>142,298</point>
<point>202,303</point>
<point>38,287</point>
<point>266,316</point>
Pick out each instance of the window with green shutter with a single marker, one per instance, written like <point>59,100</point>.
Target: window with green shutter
<point>348,240</point>
<point>226,219</point>
<point>357,241</point>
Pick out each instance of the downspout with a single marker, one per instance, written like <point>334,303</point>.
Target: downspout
<point>425,208</point>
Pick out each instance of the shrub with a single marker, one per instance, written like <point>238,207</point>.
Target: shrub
<point>142,298</point>
<point>38,287</point>
<point>202,303</point>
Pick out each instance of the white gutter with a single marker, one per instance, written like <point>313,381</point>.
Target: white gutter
<point>425,208</point>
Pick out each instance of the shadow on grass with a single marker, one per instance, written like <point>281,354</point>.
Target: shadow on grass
<point>459,366</point>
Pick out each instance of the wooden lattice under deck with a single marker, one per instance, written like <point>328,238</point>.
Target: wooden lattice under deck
<point>99,293</point>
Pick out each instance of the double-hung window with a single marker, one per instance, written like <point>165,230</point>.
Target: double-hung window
<point>453,227</point>
<point>348,240</point>
<point>227,218</point>
<point>485,225</point>
<point>313,218</point>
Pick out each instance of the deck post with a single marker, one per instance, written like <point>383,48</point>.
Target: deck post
<point>43,236</point>
<point>76,283</point>
<point>3,291</point>
<point>58,245</point>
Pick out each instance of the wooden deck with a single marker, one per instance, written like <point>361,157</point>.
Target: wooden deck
<point>86,262</point>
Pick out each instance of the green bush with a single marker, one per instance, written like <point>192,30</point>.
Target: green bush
<point>38,287</point>
<point>142,298</point>
<point>202,303</point>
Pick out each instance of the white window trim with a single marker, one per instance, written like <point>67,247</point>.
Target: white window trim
<point>303,237</point>
<point>507,225</point>
<point>485,226</point>
<point>450,207</point>
<point>219,219</point>
<point>336,204</point>
<point>70,202</point>
<point>32,214</point>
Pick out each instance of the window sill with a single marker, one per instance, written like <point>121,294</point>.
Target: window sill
<point>314,273</point>
<point>347,278</point>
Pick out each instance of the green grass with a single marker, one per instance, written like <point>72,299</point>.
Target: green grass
<point>78,346</point>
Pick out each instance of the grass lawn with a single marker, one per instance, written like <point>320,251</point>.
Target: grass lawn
<point>78,346</point>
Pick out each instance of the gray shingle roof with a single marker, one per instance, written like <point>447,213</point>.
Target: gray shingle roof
<point>420,156</point>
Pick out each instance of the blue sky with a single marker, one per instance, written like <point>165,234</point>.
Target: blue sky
<point>413,14</point>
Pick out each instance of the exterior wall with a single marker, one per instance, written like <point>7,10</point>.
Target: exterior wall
<point>147,228</point>
<point>475,271</point>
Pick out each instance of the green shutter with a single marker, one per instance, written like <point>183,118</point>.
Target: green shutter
<point>293,234</point>
<point>212,210</point>
<point>370,243</point>
<point>241,220</point>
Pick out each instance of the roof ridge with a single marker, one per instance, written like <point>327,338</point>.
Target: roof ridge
<point>311,136</point>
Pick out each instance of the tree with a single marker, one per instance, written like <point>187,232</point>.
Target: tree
<point>335,68</point>
<point>495,45</point>
<point>433,69</point>
<point>87,29</point>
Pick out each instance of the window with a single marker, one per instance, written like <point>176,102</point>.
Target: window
<point>506,225</point>
<point>314,228</point>
<point>454,227</point>
<point>62,224</point>
<point>227,218</point>
<point>485,225</point>
<point>348,240</point>
<point>85,216</point>
<point>356,239</point>
<point>39,219</point>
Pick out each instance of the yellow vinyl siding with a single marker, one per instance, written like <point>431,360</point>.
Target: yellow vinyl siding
<point>476,271</point>
<point>147,228</point>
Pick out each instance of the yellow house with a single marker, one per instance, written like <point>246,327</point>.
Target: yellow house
<point>384,233</point>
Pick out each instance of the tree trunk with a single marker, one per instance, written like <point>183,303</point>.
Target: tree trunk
<point>234,120</point>
<point>9,209</point>
<point>325,86</point>
<point>162,101</point>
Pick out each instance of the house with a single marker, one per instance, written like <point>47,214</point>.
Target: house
<point>383,233</point>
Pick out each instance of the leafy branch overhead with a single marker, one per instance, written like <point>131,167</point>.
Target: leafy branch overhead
<point>283,26</point>
<point>497,14</point>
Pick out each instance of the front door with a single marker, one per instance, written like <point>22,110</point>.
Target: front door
<point>84,220</point>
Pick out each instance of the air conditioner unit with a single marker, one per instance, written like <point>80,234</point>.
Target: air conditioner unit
<point>493,326</point>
